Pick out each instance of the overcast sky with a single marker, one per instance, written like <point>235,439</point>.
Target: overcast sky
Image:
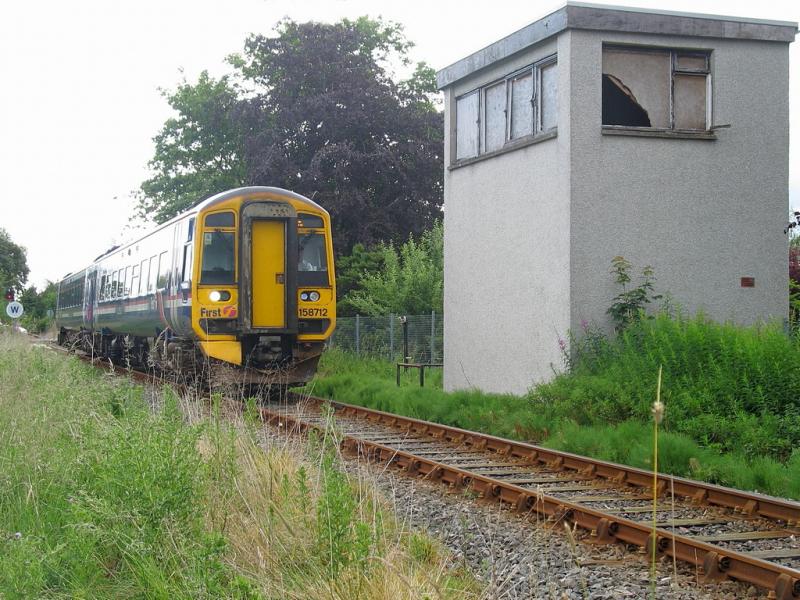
<point>81,103</point>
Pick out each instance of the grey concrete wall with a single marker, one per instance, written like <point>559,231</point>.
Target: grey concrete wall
<point>702,213</point>
<point>507,232</point>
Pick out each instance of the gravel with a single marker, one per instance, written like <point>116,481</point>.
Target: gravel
<point>518,558</point>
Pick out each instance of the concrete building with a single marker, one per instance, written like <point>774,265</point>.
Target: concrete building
<point>603,131</point>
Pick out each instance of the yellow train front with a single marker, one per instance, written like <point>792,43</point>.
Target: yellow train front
<point>263,287</point>
<point>241,285</point>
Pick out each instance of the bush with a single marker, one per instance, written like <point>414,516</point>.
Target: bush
<point>728,387</point>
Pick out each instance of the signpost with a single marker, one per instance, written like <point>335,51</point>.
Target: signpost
<point>15,310</point>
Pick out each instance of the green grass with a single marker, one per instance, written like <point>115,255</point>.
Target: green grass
<point>106,492</point>
<point>731,393</point>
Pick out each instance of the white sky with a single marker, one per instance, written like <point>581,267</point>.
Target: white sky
<point>80,102</point>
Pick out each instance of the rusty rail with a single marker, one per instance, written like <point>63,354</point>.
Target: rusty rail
<point>717,562</point>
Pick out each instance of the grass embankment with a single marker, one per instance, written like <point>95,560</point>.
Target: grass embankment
<point>103,496</point>
<point>732,397</point>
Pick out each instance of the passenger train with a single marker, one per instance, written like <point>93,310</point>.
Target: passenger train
<point>241,285</point>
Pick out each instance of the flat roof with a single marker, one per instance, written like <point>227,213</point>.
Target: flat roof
<point>601,17</point>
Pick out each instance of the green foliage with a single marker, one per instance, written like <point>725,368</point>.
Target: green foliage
<point>630,304</point>
<point>410,282</point>
<point>198,152</point>
<point>350,269</point>
<point>13,267</point>
<point>730,388</point>
<point>313,108</point>
<point>107,492</point>
<point>37,304</point>
<point>99,496</point>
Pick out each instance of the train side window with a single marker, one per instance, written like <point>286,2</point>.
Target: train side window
<point>186,270</point>
<point>134,280</point>
<point>153,271</point>
<point>223,219</point>
<point>126,283</point>
<point>114,282</point>
<point>163,270</point>
<point>102,290</point>
<point>143,277</point>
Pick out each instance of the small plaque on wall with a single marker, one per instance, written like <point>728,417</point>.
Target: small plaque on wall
<point>748,282</point>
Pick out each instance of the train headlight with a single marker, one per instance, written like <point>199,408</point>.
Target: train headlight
<point>215,296</point>
<point>304,296</point>
<point>313,296</point>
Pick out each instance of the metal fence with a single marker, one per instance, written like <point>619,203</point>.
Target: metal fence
<point>383,337</point>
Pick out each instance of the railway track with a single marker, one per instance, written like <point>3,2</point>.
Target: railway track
<point>727,533</point>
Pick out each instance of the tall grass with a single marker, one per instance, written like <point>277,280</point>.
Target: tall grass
<point>728,387</point>
<point>104,496</point>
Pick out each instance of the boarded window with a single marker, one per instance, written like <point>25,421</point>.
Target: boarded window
<point>467,126</point>
<point>662,89</point>
<point>522,105</point>
<point>494,117</point>
<point>690,101</point>
<point>548,103</point>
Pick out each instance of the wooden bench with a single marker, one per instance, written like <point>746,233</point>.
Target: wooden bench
<point>420,366</point>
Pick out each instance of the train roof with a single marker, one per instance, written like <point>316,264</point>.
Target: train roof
<point>203,204</point>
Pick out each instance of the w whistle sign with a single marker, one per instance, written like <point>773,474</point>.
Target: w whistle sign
<point>14,310</point>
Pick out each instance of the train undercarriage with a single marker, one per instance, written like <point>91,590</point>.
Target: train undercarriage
<point>271,363</point>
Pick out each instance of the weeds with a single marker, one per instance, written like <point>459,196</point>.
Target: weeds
<point>102,495</point>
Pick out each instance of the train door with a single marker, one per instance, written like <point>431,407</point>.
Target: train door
<point>268,273</point>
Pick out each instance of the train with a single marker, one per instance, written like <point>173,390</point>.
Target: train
<point>239,288</point>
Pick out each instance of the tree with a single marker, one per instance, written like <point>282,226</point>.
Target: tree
<point>37,304</point>
<point>13,263</point>
<point>411,281</point>
<point>198,153</point>
<point>322,116</point>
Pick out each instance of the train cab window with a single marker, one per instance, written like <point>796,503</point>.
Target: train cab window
<point>223,219</point>
<point>309,221</point>
<point>218,255</point>
<point>312,261</point>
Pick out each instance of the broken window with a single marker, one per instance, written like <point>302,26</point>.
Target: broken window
<point>661,89</point>
<point>522,104</point>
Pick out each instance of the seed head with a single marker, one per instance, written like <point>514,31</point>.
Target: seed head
<point>658,411</point>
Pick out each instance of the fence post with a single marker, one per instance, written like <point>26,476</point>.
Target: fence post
<point>391,336</point>
<point>433,335</point>
<point>358,335</point>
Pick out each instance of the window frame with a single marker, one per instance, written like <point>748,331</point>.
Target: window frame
<point>674,54</point>
<point>230,229</point>
<point>537,132</point>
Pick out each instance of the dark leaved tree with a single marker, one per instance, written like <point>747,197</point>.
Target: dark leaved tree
<point>322,116</point>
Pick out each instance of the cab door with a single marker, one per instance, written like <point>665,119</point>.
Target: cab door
<point>268,273</point>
